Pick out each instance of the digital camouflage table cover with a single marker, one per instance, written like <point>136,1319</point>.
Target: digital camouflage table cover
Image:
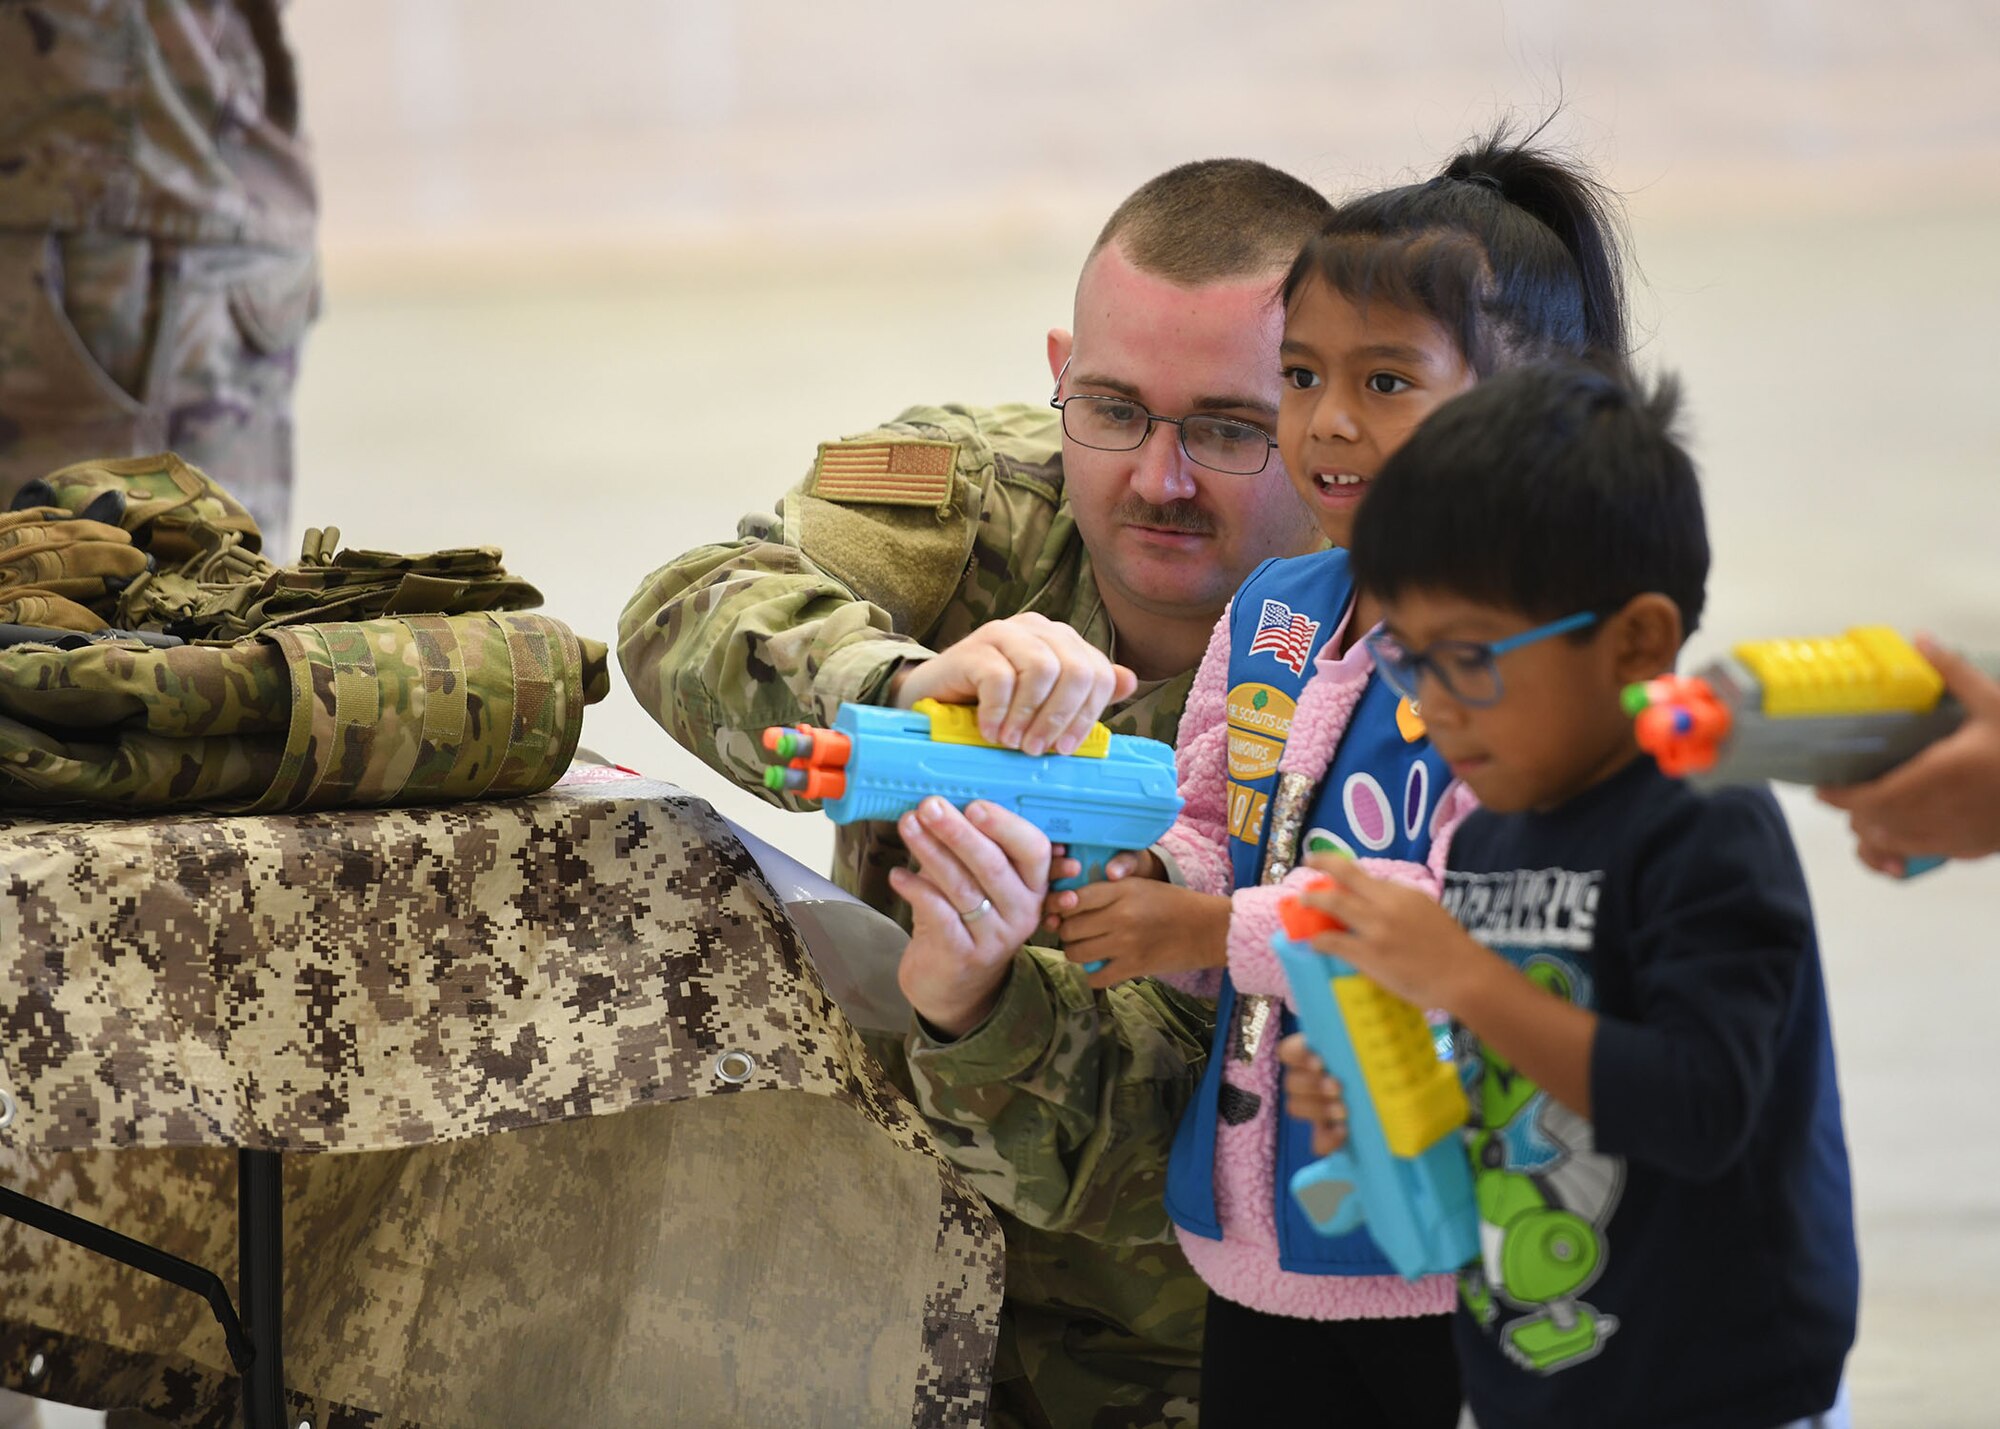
<point>707,1206</point>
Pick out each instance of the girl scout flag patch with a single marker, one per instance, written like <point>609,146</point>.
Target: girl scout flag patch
<point>903,473</point>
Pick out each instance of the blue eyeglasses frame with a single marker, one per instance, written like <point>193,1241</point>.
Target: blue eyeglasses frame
<point>1405,672</point>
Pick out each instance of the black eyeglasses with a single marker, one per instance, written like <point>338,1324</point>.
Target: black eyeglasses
<point>1468,669</point>
<point>1118,424</point>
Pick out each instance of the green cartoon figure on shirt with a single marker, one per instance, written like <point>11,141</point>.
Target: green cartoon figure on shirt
<point>1545,1195</point>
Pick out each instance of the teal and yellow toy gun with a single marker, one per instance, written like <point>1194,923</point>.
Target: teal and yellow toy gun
<point>1116,792</point>
<point>1404,1172</point>
<point>1841,709</point>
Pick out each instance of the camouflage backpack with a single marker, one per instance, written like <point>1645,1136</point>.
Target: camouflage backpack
<point>151,657</point>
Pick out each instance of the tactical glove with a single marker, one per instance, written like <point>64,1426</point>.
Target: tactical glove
<point>61,570</point>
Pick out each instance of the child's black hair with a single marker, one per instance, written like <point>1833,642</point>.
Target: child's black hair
<point>1515,252</point>
<point>1552,488</point>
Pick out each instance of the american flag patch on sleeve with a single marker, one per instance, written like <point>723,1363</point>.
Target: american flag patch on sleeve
<point>905,473</point>
<point>1284,635</point>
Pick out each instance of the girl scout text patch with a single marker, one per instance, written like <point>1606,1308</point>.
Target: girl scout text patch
<point>900,473</point>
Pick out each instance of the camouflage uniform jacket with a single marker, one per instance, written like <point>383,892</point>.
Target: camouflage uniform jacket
<point>175,119</point>
<point>823,602</point>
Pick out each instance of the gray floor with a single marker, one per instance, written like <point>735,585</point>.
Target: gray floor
<point>1841,379</point>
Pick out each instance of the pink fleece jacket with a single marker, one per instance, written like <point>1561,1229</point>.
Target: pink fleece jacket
<point>1243,1265</point>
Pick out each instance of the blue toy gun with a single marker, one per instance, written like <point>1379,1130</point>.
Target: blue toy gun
<point>1404,1171</point>
<point>1116,792</point>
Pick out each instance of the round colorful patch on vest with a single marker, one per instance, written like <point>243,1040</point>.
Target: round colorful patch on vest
<point>1320,840</point>
<point>1369,812</point>
<point>1416,798</point>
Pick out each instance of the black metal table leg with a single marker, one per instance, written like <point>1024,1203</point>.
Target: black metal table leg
<point>261,1284</point>
<point>101,1240</point>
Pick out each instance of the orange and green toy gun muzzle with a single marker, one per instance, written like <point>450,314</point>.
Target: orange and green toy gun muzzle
<point>812,762</point>
<point>1832,709</point>
<point>1679,721</point>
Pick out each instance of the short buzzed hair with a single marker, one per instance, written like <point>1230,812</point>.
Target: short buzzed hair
<point>1548,489</point>
<point>1215,219</point>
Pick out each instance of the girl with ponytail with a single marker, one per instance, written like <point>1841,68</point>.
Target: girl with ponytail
<point>1291,744</point>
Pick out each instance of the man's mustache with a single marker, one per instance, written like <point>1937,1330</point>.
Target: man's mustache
<point>1178,516</point>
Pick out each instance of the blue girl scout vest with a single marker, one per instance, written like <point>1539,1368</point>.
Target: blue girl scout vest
<point>1376,801</point>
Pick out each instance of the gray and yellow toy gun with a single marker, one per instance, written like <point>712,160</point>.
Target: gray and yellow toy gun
<point>1839,709</point>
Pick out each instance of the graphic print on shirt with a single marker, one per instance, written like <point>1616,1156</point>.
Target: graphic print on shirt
<point>1545,1193</point>
<point>1285,635</point>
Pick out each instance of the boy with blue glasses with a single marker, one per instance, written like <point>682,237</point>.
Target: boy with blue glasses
<point>1631,968</point>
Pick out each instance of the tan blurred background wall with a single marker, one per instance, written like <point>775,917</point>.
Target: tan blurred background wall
<point>600,276</point>
<point>635,121</point>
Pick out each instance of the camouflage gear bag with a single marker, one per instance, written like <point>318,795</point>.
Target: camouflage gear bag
<point>331,584</point>
<point>208,578</point>
<point>402,710</point>
<point>351,678</point>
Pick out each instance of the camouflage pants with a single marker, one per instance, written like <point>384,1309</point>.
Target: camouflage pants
<point>114,345</point>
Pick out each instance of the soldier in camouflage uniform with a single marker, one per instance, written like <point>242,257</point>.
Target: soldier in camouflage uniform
<point>157,270</point>
<point>985,555</point>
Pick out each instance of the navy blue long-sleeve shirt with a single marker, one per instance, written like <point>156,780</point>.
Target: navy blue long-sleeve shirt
<point>1686,1257</point>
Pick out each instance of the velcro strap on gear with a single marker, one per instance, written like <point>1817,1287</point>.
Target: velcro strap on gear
<point>442,661</point>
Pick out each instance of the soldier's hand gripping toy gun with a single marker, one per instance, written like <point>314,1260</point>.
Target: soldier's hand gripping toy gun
<point>1404,1171</point>
<point>1840,709</point>
<point>1116,792</point>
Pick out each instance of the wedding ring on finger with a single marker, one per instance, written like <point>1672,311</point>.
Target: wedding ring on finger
<point>978,911</point>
